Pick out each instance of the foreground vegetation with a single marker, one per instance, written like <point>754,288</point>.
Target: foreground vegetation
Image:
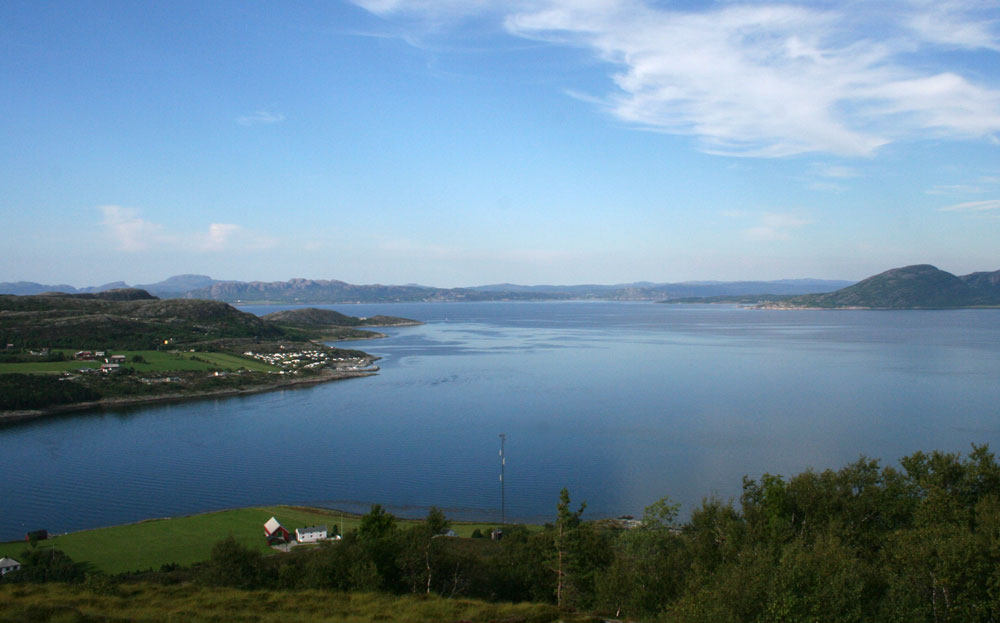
<point>864,543</point>
<point>151,603</point>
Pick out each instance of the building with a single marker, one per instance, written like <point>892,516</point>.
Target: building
<point>117,358</point>
<point>310,534</point>
<point>37,535</point>
<point>110,367</point>
<point>275,532</point>
<point>7,565</point>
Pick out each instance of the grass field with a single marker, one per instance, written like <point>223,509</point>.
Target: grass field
<point>186,540</point>
<point>155,361</point>
<point>196,604</point>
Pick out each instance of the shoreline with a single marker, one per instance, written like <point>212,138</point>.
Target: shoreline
<point>106,403</point>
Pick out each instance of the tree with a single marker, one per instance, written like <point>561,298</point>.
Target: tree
<point>567,522</point>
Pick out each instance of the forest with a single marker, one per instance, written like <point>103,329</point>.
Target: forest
<point>917,542</point>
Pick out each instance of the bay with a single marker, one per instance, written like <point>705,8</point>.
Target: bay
<point>622,403</point>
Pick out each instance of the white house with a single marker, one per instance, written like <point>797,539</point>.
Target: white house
<point>310,534</point>
<point>7,565</point>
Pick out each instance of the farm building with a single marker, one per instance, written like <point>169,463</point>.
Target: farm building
<point>310,534</point>
<point>275,532</point>
<point>7,565</point>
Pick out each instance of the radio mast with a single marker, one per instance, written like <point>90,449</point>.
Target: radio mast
<point>503,461</point>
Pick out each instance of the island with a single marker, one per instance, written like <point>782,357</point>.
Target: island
<point>65,352</point>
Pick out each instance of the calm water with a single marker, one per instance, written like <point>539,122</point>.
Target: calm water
<point>620,402</point>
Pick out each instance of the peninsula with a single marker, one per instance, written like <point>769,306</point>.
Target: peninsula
<point>920,286</point>
<point>62,352</point>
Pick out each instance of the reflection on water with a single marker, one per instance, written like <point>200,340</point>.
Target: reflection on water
<point>621,402</point>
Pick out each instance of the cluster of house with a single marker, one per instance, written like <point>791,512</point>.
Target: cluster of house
<point>111,362</point>
<point>308,359</point>
<point>276,534</point>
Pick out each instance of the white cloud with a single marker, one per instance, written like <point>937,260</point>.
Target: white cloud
<point>774,226</point>
<point>973,206</point>
<point>835,171</point>
<point>132,233</point>
<point>219,235</point>
<point>129,231</point>
<point>754,78</point>
<point>261,117</point>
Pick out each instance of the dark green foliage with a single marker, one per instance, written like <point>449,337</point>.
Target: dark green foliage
<point>45,564</point>
<point>31,391</point>
<point>232,564</point>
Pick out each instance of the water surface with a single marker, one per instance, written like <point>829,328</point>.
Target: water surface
<point>622,403</point>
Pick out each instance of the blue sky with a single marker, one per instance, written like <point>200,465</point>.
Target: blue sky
<point>455,143</point>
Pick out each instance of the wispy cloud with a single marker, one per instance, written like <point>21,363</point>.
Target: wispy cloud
<point>770,226</point>
<point>757,78</point>
<point>955,189</point>
<point>261,117</point>
<point>838,172</point>
<point>131,233</point>
<point>974,206</point>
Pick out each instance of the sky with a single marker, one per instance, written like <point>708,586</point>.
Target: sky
<point>466,142</point>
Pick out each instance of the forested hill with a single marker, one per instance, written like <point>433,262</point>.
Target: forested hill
<point>122,318</point>
<point>921,286</point>
<point>311,317</point>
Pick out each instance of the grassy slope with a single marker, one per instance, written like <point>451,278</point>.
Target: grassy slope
<point>195,604</point>
<point>185,540</point>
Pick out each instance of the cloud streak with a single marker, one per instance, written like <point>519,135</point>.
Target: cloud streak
<point>761,79</point>
<point>260,117</point>
<point>131,233</point>
<point>974,206</point>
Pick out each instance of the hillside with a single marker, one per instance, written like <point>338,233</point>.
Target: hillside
<point>313,317</point>
<point>920,286</point>
<point>123,318</point>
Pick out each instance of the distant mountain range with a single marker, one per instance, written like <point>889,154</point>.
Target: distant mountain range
<point>921,286</point>
<point>318,291</point>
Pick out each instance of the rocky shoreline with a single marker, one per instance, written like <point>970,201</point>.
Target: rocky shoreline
<point>323,377</point>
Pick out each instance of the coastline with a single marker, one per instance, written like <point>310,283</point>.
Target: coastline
<point>30,414</point>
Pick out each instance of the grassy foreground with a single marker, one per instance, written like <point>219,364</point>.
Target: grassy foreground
<point>190,603</point>
<point>185,540</point>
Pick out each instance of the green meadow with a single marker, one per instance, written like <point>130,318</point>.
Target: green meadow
<point>153,543</point>
<point>153,361</point>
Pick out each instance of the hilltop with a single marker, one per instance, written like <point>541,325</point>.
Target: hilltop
<point>920,286</point>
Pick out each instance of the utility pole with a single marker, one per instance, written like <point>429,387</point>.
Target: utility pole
<point>503,461</point>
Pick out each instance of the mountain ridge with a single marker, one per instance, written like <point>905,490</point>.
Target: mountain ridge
<point>329,291</point>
